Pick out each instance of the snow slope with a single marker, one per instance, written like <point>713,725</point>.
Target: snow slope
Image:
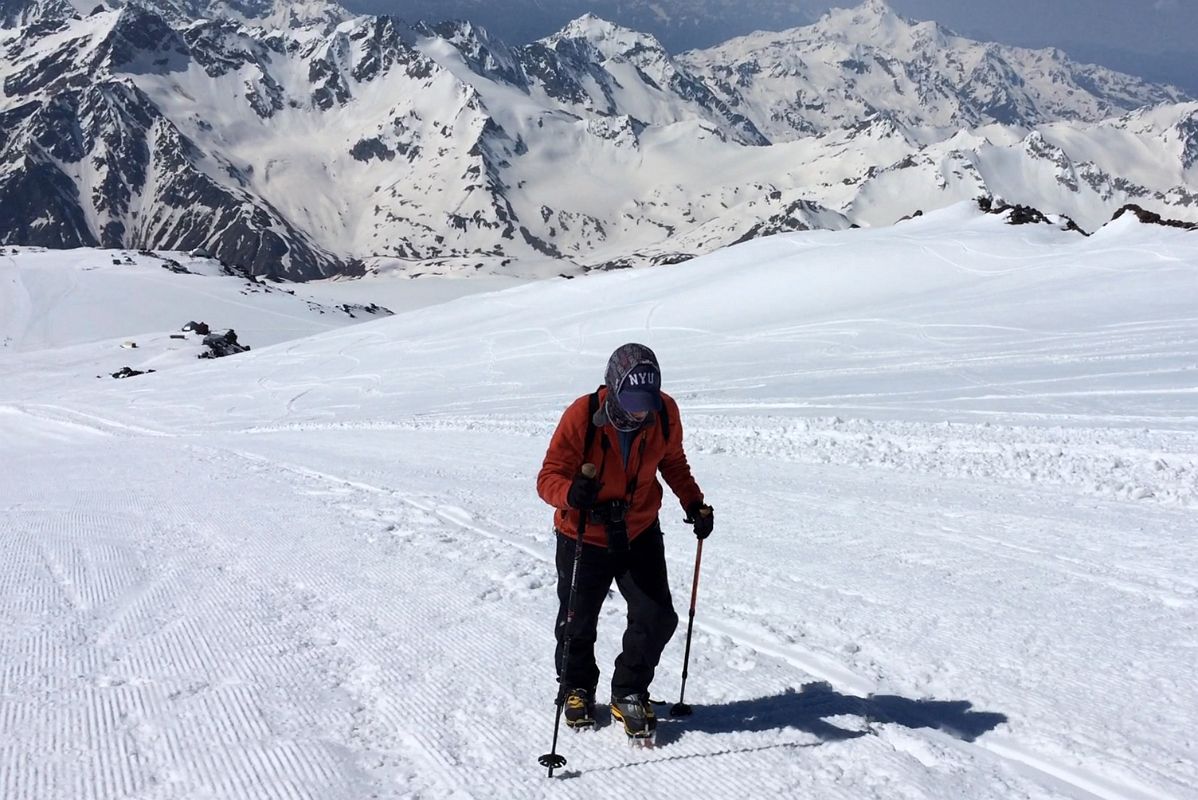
<point>955,471</point>
<point>78,314</point>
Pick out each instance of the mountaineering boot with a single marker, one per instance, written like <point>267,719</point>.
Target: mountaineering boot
<point>636,713</point>
<point>579,709</point>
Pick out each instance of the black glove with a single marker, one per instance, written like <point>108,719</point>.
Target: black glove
<point>702,517</point>
<point>583,492</point>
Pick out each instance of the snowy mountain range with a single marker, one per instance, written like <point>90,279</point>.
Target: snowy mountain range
<point>922,75</point>
<point>679,24</point>
<point>298,140</point>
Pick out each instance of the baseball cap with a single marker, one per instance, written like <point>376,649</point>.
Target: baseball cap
<point>640,390</point>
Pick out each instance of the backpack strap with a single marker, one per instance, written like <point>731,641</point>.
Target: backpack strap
<point>592,409</point>
<point>664,416</point>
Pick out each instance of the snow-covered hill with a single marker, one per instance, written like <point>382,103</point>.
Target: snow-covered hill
<point>70,317</point>
<point>300,141</point>
<point>954,465</point>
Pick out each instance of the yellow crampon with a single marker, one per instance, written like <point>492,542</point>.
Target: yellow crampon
<point>640,726</point>
<point>579,712</point>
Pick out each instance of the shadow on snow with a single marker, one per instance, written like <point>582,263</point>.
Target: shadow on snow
<point>809,709</point>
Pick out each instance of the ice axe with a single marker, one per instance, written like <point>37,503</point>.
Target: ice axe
<point>681,709</point>
<point>552,760</point>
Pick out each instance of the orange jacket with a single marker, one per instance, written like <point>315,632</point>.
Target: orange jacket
<point>650,452</point>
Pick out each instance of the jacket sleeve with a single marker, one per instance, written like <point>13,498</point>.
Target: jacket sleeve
<point>563,459</point>
<point>674,467</point>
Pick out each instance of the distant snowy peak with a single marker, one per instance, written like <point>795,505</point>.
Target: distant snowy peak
<point>277,13</point>
<point>1181,134</point>
<point>69,56</point>
<point>1187,132</point>
<point>873,20</point>
<point>1175,125</point>
<point>269,13</point>
<point>594,68</point>
<point>607,38</point>
<point>18,13</point>
<point>483,54</point>
<point>634,76</point>
<point>868,59</point>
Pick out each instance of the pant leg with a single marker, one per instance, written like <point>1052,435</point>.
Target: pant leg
<point>651,616</point>
<point>593,582</point>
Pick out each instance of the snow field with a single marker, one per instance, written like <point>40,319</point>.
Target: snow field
<point>953,467</point>
<point>383,637</point>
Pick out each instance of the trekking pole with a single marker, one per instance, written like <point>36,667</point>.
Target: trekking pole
<point>551,759</point>
<point>681,709</point>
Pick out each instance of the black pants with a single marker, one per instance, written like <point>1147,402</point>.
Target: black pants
<point>641,578</point>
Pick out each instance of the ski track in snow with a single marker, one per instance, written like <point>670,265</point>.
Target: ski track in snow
<point>206,658</point>
<point>1143,466</point>
<point>285,703</point>
<point>1079,781</point>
